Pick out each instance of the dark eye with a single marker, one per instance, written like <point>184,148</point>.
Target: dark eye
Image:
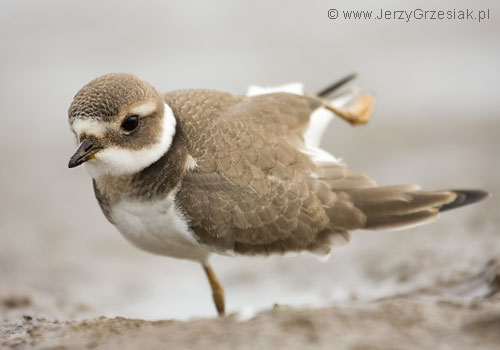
<point>131,123</point>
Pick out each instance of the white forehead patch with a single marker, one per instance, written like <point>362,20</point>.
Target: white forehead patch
<point>89,127</point>
<point>144,109</point>
<point>120,161</point>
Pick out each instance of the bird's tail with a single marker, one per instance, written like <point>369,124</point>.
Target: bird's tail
<point>394,207</point>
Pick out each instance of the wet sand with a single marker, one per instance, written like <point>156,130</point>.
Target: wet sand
<point>398,323</point>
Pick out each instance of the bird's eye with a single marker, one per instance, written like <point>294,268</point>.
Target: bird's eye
<point>131,123</point>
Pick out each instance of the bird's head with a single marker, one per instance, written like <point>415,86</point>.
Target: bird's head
<point>121,124</point>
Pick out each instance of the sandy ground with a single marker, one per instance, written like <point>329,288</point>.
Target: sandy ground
<point>399,323</point>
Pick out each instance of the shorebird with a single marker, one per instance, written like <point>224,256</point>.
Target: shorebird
<point>194,172</point>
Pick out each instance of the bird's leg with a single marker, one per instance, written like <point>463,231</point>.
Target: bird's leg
<point>217,290</point>
<point>359,113</point>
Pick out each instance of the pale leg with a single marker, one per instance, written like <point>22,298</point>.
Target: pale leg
<point>217,290</point>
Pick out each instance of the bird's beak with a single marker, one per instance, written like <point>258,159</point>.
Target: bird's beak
<point>85,151</point>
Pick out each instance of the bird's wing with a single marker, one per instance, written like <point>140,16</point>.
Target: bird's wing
<point>254,191</point>
<point>255,188</point>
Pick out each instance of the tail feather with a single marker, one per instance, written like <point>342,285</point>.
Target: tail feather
<point>401,221</point>
<point>464,197</point>
<point>404,205</point>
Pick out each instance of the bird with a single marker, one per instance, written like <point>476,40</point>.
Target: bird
<point>195,172</point>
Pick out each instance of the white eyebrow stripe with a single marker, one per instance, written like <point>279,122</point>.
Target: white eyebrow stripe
<point>89,127</point>
<point>144,109</point>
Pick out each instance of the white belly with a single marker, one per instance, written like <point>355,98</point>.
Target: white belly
<point>157,227</point>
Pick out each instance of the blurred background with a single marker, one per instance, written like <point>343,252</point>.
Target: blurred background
<point>436,123</point>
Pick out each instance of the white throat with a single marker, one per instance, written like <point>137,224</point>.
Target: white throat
<point>118,161</point>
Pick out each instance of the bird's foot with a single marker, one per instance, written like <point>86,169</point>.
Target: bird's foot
<point>359,113</point>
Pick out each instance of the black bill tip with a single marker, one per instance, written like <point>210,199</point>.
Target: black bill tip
<point>84,152</point>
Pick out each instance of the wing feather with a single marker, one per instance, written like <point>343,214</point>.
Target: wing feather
<point>257,188</point>
<point>263,194</point>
